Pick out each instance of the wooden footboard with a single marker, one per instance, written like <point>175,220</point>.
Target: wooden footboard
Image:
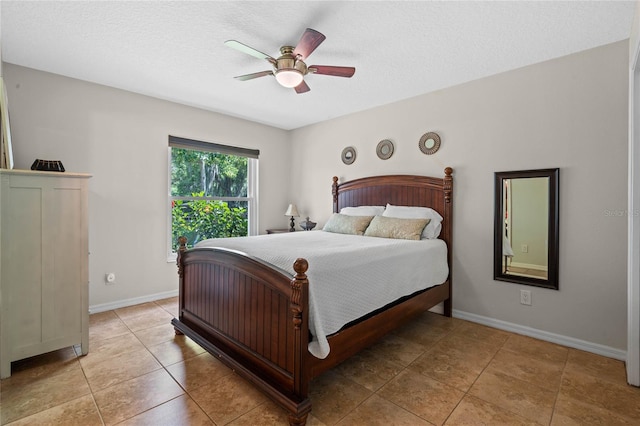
<point>251,315</point>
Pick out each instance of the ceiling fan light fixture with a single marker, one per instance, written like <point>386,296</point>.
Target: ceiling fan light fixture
<point>290,68</point>
<point>289,77</point>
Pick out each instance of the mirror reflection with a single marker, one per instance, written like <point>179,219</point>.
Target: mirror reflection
<point>526,227</point>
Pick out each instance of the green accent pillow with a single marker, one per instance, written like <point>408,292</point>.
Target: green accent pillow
<point>343,224</point>
<point>393,227</point>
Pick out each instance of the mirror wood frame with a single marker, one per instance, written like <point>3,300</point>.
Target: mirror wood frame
<point>553,220</point>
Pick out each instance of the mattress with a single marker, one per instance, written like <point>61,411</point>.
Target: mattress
<point>349,275</point>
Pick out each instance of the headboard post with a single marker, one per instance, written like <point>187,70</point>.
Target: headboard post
<point>448,184</point>
<point>447,187</point>
<point>334,191</point>
<point>448,237</point>
<point>182,242</point>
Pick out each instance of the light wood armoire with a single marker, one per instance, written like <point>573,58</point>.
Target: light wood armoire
<point>44,264</point>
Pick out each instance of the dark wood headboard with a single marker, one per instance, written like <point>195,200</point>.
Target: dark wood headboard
<point>400,190</point>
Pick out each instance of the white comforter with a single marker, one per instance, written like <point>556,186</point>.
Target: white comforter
<point>349,275</point>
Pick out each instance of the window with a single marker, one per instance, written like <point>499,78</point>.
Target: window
<point>212,191</point>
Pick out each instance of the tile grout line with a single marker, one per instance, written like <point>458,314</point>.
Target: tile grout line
<point>555,401</point>
<point>91,391</point>
<point>115,384</point>
<point>162,366</point>
<point>77,359</point>
<point>93,398</point>
<point>447,333</point>
<point>466,393</point>
<point>186,392</point>
<point>406,368</point>
<point>630,419</point>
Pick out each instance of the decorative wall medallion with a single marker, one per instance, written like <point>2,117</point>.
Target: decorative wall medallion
<point>384,149</point>
<point>348,155</point>
<point>429,143</point>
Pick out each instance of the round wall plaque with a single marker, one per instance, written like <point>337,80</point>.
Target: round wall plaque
<point>384,149</point>
<point>348,155</point>
<point>429,143</point>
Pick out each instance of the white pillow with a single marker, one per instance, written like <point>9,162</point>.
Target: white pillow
<point>363,211</point>
<point>431,231</point>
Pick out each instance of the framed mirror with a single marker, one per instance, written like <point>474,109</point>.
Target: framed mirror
<point>526,227</point>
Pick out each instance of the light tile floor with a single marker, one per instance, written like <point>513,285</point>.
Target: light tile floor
<point>434,371</point>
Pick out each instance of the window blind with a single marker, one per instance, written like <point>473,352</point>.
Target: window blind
<point>184,143</point>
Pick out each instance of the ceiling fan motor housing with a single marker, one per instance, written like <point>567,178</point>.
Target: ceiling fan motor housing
<point>288,61</point>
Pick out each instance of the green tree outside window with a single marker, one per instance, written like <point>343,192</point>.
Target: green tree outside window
<point>208,195</point>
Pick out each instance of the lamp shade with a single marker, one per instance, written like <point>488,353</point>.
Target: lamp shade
<point>292,211</point>
<point>289,77</point>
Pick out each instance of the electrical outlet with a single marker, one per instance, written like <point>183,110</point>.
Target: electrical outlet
<point>525,248</point>
<point>525,297</point>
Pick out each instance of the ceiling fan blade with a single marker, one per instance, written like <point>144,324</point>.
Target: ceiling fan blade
<point>249,50</point>
<point>302,87</point>
<point>308,43</point>
<point>254,75</point>
<point>331,70</point>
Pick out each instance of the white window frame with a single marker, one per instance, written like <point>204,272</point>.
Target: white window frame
<point>251,198</point>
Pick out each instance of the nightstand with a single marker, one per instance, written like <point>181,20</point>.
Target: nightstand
<point>278,231</point>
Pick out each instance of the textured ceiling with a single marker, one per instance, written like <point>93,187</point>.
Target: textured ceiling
<point>175,50</point>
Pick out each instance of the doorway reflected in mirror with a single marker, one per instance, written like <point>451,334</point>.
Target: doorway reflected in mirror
<point>526,227</point>
<point>526,200</point>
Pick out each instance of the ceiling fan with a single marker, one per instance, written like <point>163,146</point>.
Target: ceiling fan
<point>289,69</point>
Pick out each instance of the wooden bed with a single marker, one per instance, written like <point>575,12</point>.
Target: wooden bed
<point>254,316</point>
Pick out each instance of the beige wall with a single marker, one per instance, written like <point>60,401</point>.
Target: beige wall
<point>569,113</point>
<point>633,253</point>
<point>121,138</point>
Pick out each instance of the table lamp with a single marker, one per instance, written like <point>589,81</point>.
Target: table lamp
<point>293,212</point>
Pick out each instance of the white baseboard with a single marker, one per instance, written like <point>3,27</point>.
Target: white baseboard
<point>94,309</point>
<point>528,266</point>
<point>559,339</point>
<point>438,309</point>
<point>571,342</point>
